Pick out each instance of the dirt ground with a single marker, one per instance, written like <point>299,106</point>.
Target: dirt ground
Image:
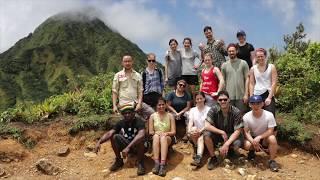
<point>18,162</point>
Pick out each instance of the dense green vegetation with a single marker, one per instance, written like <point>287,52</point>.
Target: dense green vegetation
<point>299,78</point>
<point>59,56</point>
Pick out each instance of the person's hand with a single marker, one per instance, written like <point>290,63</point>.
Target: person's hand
<point>115,109</point>
<point>224,136</point>
<point>125,152</point>
<point>97,147</point>
<point>245,99</point>
<point>256,143</point>
<point>178,116</point>
<point>201,47</point>
<point>224,150</point>
<point>138,107</point>
<point>267,101</point>
<point>214,94</point>
<point>195,134</point>
<point>163,134</point>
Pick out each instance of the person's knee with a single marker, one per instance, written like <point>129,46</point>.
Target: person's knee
<point>116,137</point>
<point>237,144</point>
<point>247,145</point>
<point>272,140</point>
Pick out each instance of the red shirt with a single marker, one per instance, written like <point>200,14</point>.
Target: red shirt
<point>210,82</point>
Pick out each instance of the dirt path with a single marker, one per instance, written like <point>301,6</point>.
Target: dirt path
<point>19,162</point>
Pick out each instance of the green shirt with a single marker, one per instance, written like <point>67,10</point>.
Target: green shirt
<point>235,74</point>
<point>161,125</point>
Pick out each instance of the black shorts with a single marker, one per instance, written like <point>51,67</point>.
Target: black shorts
<point>121,143</point>
<point>218,140</point>
<point>191,79</point>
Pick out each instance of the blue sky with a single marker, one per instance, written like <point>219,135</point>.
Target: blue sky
<point>151,23</point>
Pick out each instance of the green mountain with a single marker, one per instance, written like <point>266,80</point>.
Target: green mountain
<point>62,53</point>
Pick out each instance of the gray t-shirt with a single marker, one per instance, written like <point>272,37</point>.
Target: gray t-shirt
<point>258,126</point>
<point>174,64</point>
<point>235,74</point>
<point>188,60</point>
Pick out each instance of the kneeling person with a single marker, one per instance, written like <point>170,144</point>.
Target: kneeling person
<point>223,125</point>
<point>126,136</point>
<point>259,131</point>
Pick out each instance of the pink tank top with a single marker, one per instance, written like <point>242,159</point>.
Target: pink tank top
<point>210,82</point>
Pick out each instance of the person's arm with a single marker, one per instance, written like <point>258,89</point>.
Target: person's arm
<point>190,123</point>
<point>169,103</point>
<point>173,126</point>
<point>225,147</point>
<point>115,91</point>
<point>140,95</point>
<point>274,79</point>
<point>151,128</point>
<point>166,69</point>
<point>187,108</point>
<point>221,79</point>
<point>247,135</point>
<point>252,81</point>
<point>103,139</point>
<point>224,74</point>
<point>246,82</point>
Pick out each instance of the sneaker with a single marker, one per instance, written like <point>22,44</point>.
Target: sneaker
<point>116,165</point>
<point>141,170</point>
<point>162,170</point>
<point>273,166</point>
<point>251,155</point>
<point>213,161</point>
<point>196,161</point>
<point>156,168</point>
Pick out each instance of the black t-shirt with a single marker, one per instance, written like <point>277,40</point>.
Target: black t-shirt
<point>244,52</point>
<point>129,132</point>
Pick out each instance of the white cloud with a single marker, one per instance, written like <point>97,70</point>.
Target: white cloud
<point>283,8</point>
<point>313,31</point>
<point>203,4</point>
<point>133,19</point>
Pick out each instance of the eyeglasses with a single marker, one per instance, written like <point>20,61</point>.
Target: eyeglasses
<point>182,85</point>
<point>151,60</point>
<point>225,99</point>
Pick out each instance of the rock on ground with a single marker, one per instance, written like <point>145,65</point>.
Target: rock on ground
<point>45,166</point>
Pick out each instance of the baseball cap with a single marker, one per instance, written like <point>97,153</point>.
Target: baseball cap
<point>255,99</point>
<point>126,107</point>
<point>241,33</point>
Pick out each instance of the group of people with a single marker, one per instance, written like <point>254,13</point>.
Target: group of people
<point>220,117</point>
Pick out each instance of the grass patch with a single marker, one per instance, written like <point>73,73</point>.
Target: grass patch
<point>95,122</point>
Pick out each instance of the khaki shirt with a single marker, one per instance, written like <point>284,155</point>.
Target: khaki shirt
<point>128,88</point>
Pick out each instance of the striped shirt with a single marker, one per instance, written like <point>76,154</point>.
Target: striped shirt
<point>153,82</point>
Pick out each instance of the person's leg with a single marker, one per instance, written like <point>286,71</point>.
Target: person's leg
<point>209,141</point>
<point>249,147</point>
<point>140,155</point>
<point>156,148</point>
<point>118,143</point>
<point>165,141</point>
<point>200,144</point>
<point>210,101</point>
<point>271,107</point>
<point>272,146</point>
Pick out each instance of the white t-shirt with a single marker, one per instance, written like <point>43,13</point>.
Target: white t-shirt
<point>259,125</point>
<point>188,59</point>
<point>198,117</point>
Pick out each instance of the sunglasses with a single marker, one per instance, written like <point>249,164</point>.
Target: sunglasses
<point>182,85</point>
<point>225,99</point>
<point>151,60</point>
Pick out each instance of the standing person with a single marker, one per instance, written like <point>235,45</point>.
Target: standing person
<point>224,125</point>
<point>127,89</point>
<point>211,80</point>
<point>162,127</point>
<point>245,49</point>
<point>235,73</point>
<point>173,64</point>
<point>197,116</point>
<point>259,127</point>
<point>126,136</point>
<point>263,80</point>
<point>178,103</point>
<point>216,47</point>
<point>189,69</point>
<point>152,82</point>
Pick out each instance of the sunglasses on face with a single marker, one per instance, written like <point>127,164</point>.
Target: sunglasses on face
<point>151,60</point>
<point>182,85</point>
<point>224,99</point>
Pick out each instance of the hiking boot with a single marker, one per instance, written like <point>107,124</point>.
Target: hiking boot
<point>162,170</point>
<point>273,166</point>
<point>251,155</point>
<point>194,151</point>
<point>196,161</point>
<point>116,165</point>
<point>155,169</point>
<point>213,161</point>
<point>141,170</point>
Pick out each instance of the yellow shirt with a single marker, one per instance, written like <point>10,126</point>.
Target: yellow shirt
<point>161,125</point>
<point>128,87</point>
